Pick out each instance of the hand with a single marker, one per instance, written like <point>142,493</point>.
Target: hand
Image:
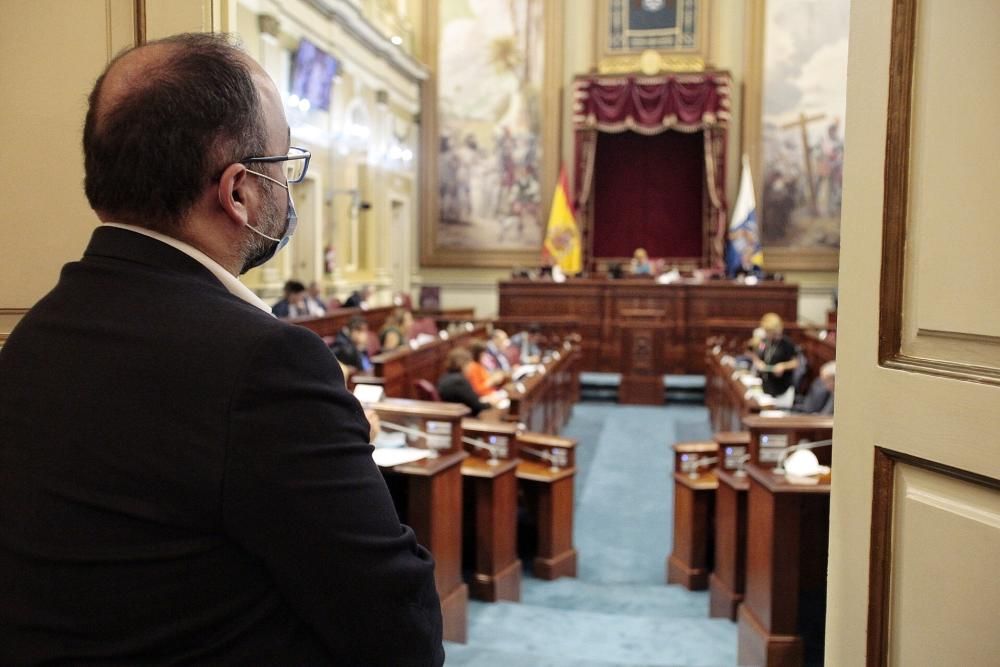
<point>373,424</point>
<point>759,365</point>
<point>778,369</point>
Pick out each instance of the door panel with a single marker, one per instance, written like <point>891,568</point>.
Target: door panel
<point>915,494</point>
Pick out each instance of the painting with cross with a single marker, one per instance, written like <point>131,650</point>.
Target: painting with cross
<point>804,97</point>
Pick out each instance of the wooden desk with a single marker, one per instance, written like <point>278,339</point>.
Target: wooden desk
<point>688,563</point>
<point>725,396</point>
<point>328,325</point>
<point>428,495</point>
<point>490,492</point>
<point>433,500</point>
<point>694,507</point>
<point>770,435</point>
<point>728,579</point>
<point>548,495</point>
<point>786,570</point>
<point>544,402</point>
<point>638,327</point>
<point>400,368</point>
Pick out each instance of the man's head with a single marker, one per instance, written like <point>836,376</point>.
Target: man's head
<point>357,329</point>
<point>295,292</point>
<point>772,325</point>
<point>828,374</point>
<point>169,130</point>
<point>500,339</point>
<point>315,291</point>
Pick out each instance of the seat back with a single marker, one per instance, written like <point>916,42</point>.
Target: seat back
<point>426,391</point>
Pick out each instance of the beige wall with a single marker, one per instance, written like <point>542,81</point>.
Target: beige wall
<point>47,221</point>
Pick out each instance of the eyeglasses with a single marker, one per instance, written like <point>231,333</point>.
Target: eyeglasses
<point>296,163</point>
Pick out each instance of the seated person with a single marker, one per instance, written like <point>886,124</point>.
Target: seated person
<point>314,300</point>
<point>351,344</point>
<point>819,399</point>
<point>496,357</point>
<point>396,330</point>
<point>293,303</point>
<point>640,263</point>
<point>454,386</point>
<point>528,344</point>
<point>358,298</point>
<point>775,357</point>
<point>746,357</point>
<point>483,381</point>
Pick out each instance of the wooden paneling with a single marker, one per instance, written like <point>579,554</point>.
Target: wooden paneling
<point>607,312</point>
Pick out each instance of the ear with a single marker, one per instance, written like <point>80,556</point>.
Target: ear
<point>234,192</point>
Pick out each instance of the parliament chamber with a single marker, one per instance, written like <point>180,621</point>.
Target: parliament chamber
<point>580,267</point>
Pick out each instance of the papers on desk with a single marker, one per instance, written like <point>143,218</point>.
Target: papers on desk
<point>773,413</point>
<point>368,394</point>
<point>388,457</point>
<point>386,439</point>
<point>526,370</point>
<point>750,380</point>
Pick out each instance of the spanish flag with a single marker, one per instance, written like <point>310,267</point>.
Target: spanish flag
<point>562,237</point>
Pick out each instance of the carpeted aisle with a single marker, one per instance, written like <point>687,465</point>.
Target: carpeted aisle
<point>618,611</point>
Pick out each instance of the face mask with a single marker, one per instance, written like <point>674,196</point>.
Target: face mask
<point>291,220</point>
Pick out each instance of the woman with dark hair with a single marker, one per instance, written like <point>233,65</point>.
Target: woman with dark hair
<point>396,330</point>
<point>483,381</point>
<point>454,387</point>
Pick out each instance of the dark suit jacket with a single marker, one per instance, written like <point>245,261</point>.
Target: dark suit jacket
<point>184,478</point>
<point>453,387</point>
<point>348,353</point>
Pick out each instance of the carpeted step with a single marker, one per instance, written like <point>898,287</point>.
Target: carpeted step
<point>575,637</point>
<point>656,601</point>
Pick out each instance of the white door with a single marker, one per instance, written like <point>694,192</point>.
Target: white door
<point>915,525</point>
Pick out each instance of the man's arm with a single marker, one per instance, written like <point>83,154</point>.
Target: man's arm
<point>302,493</point>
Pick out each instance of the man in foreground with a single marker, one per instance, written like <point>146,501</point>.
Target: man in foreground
<point>183,477</point>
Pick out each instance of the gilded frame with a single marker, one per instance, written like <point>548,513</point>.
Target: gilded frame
<point>432,253</point>
<point>775,258</point>
<point>612,60</point>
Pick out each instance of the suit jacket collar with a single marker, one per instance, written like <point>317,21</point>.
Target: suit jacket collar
<point>121,244</point>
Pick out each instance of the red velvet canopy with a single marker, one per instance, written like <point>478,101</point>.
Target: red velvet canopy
<point>689,102</point>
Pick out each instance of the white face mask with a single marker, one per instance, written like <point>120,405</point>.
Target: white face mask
<point>291,221</point>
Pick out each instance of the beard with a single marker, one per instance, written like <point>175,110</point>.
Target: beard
<point>271,223</point>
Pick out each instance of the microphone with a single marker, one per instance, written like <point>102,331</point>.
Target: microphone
<point>700,463</point>
<point>428,437</point>
<point>780,468</point>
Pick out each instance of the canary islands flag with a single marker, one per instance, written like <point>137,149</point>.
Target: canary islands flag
<point>743,250</point>
<point>562,237</point>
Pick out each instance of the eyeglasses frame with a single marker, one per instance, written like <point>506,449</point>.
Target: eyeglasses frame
<point>304,155</point>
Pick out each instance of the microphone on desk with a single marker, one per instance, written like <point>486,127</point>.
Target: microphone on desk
<point>494,450</point>
<point>740,460</point>
<point>553,460</point>
<point>802,466</point>
<point>428,437</point>
<point>700,463</point>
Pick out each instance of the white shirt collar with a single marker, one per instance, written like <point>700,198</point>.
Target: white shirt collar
<point>228,280</point>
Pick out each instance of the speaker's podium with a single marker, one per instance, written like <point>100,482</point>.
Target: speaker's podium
<point>782,617</point>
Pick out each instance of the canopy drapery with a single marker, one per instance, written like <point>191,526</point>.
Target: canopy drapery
<point>689,102</point>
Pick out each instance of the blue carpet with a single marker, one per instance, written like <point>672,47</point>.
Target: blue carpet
<point>618,611</point>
